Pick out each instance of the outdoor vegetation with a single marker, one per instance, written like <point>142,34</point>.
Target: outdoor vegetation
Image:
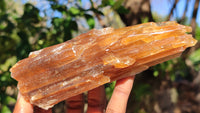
<point>170,87</point>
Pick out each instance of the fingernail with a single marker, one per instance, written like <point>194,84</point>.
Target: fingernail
<point>19,95</point>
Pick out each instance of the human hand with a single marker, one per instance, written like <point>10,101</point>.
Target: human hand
<point>96,100</point>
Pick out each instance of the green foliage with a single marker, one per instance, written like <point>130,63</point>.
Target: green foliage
<point>141,90</point>
<point>5,109</point>
<point>175,69</point>
<point>195,59</point>
<point>74,11</point>
<point>145,20</point>
<point>109,89</point>
<point>22,33</point>
<point>116,5</point>
<point>108,2</point>
<point>197,35</point>
<point>90,21</point>
<point>2,5</point>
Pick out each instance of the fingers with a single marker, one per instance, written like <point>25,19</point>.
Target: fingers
<point>22,106</point>
<point>118,101</point>
<point>40,110</point>
<point>75,104</point>
<point>96,100</point>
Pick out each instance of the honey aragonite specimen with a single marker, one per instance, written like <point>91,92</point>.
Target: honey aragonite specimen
<point>89,60</point>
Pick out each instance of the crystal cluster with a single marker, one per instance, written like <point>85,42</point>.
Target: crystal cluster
<point>89,60</point>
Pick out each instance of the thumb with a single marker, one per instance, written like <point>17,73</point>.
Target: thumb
<point>22,106</point>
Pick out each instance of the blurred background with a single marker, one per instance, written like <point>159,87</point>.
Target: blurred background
<point>29,25</point>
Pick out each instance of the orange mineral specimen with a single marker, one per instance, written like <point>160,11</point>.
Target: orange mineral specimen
<point>92,59</point>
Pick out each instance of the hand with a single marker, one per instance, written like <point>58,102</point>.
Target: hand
<point>96,100</point>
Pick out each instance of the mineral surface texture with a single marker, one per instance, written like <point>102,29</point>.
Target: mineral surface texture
<point>89,60</point>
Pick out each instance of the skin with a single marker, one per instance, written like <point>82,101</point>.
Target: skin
<point>96,100</point>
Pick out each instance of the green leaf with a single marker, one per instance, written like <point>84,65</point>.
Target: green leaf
<point>195,56</point>
<point>117,4</point>
<point>122,10</point>
<point>74,11</point>
<point>197,34</point>
<point>145,20</point>
<point>90,21</point>
<point>31,14</point>
<point>155,73</point>
<point>6,80</point>
<point>57,22</point>
<point>60,8</point>
<point>10,100</point>
<point>195,59</point>
<point>108,2</point>
<point>109,89</point>
<point>5,109</point>
<point>2,5</point>
<point>9,62</point>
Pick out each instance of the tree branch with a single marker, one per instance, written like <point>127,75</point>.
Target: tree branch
<point>172,9</point>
